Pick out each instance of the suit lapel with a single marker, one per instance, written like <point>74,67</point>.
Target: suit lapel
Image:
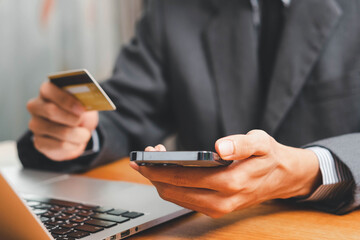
<point>231,42</point>
<point>309,25</point>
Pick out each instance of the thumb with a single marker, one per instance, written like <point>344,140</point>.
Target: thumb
<point>239,147</point>
<point>89,120</point>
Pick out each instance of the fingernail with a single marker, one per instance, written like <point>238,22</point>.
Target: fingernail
<point>78,109</point>
<point>226,148</point>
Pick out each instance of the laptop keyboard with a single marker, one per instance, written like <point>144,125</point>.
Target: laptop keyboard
<point>71,220</point>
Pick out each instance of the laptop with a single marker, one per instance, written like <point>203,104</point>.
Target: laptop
<point>44,205</point>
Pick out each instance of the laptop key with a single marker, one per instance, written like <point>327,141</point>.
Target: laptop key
<point>52,201</point>
<point>42,206</point>
<point>89,228</point>
<point>111,218</point>
<point>63,216</point>
<point>78,234</point>
<point>85,213</point>
<point>63,203</point>
<point>61,231</point>
<point>87,207</point>
<point>117,212</point>
<point>50,214</point>
<point>39,211</point>
<point>132,214</point>
<point>69,225</point>
<point>50,227</point>
<point>44,219</point>
<point>58,236</point>
<point>70,211</point>
<point>79,219</point>
<point>103,209</point>
<point>100,223</point>
<point>32,203</point>
<point>56,222</point>
<point>55,208</point>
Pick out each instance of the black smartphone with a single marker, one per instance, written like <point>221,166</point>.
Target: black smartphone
<point>178,158</point>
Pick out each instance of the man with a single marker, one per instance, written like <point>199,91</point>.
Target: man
<point>211,71</point>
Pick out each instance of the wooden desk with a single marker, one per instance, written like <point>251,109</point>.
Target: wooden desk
<point>271,220</point>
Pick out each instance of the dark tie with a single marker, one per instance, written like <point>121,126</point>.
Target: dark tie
<point>272,21</point>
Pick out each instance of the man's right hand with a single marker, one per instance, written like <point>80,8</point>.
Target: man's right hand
<point>61,126</point>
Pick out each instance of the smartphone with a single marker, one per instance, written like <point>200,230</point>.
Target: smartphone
<point>178,158</point>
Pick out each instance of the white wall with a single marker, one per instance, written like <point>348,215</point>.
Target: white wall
<point>38,37</point>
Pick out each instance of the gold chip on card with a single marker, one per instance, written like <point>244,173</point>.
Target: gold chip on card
<point>85,88</point>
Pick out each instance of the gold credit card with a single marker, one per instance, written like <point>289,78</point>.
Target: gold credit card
<point>85,88</point>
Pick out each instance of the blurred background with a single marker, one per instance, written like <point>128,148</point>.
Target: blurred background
<point>38,37</point>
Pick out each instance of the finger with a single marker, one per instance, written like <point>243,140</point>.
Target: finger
<point>76,135</point>
<point>39,108</point>
<point>57,150</point>
<point>237,202</point>
<point>61,98</point>
<point>239,147</point>
<point>160,148</point>
<point>134,166</point>
<point>150,149</point>
<point>89,120</point>
<point>196,208</point>
<point>209,202</point>
<point>209,178</point>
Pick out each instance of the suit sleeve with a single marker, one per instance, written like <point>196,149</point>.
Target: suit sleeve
<point>346,149</point>
<point>141,95</point>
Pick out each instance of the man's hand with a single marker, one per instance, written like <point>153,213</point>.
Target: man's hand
<point>263,169</point>
<point>60,125</point>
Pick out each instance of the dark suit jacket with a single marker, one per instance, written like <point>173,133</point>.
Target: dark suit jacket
<point>192,69</point>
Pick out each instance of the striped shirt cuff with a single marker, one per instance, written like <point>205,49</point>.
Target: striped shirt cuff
<point>95,144</point>
<point>335,176</point>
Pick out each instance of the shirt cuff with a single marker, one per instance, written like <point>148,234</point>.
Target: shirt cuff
<point>335,176</point>
<point>95,144</point>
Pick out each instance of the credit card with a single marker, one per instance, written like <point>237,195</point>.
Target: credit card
<point>85,88</point>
